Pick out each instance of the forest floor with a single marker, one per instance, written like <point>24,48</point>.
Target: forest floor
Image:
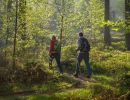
<point>71,85</point>
<point>67,87</point>
<point>110,78</point>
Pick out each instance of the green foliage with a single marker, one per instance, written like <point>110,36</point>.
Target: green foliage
<point>124,82</point>
<point>118,45</point>
<point>95,16</point>
<point>118,25</point>
<point>69,53</point>
<point>99,88</point>
<point>78,94</point>
<point>127,31</point>
<point>110,78</point>
<point>38,20</point>
<point>110,61</point>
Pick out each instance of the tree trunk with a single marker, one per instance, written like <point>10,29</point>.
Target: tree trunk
<point>107,36</point>
<point>62,22</point>
<point>9,3</point>
<point>8,10</point>
<point>127,18</point>
<point>15,35</point>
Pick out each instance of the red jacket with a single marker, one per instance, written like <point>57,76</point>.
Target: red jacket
<point>52,43</point>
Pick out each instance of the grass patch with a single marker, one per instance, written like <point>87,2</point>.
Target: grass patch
<point>77,94</point>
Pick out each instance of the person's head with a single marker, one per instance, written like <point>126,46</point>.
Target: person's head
<point>53,37</point>
<point>80,34</point>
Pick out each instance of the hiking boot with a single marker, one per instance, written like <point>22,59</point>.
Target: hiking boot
<point>76,75</point>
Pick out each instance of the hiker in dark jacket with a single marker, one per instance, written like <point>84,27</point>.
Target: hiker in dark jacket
<point>83,48</point>
<point>54,52</point>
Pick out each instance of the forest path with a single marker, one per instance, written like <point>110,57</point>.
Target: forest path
<point>78,83</point>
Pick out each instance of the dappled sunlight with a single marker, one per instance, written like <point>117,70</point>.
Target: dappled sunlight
<point>64,50</point>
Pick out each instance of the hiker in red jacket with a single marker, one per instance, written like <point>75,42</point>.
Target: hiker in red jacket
<point>54,52</point>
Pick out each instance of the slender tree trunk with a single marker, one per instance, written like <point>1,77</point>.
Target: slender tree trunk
<point>62,22</point>
<point>107,36</point>
<point>9,3</point>
<point>15,35</point>
<point>127,17</point>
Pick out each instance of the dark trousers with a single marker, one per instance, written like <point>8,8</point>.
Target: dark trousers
<point>83,56</point>
<point>56,56</point>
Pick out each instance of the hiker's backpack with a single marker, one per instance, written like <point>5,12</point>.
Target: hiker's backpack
<point>85,46</point>
<point>56,46</point>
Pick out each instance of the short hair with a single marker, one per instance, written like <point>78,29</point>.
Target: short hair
<point>53,37</point>
<point>81,34</point>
